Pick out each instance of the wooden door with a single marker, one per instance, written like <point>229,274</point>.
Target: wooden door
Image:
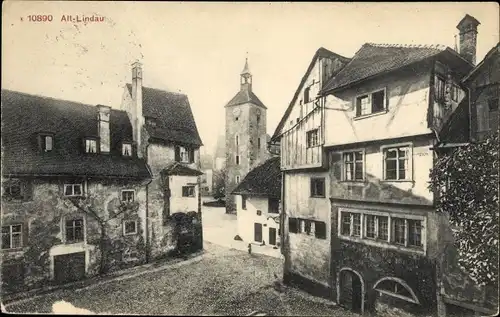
<point>257,232</point>
<point>272,236</point>
<point>69,267</point>
<point>350,291</point>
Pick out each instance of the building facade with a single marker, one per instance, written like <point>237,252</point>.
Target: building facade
<point>73,192</point>
<point>258,205</point>
<point>358,164</point>
<point>246,138</point>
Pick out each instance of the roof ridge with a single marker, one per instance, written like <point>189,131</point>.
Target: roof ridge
<point>435,46</point>
<point>56,99</point>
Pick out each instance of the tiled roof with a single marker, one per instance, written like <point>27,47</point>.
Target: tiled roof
<point>179,169</point>
<point>24,116</point>
<point>374,59</point>
<point>263,180</point>
<point>245,96</point>
<point>321,52</point>
<point>174,118</point>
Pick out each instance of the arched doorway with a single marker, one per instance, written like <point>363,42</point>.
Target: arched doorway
<point>350,290</point>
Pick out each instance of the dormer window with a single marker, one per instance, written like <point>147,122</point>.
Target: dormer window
<point>46,142</point>
<point>90,146</point>
<point>184,154</point>
<point>127,149</point>
<point>151,122</point>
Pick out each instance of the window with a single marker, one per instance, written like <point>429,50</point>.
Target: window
<point>237,179</point>
<point>12,237</point>
<point>454,93</point>
<point>74,230</point>
<point>396,288</point>
<point>320,230</point>
<point>127,149</point>
<point>258,143</point>
<point>90,146</point>
<point>370,103</point>
<point>73,190</point>
<point>237,159</point>
<point>306,94</point>
<point>493,115</point>
<point>397,163</point>
<point>47,143</point>
<point>440,89</point>
<point>13,190</point>
<point>258,119</point>
<point>243,202</point>
<point>130,227</point>
<point>293,225</point>
<point>404,231</point>
<point>184,154</point>
<point>312,138</point>
<point>317,187</point>
<point>237,141</point>
<point>353,166</point>
<point>128,195</point>
<point>187,191</point>
<point>151,122</point>
<point>235,118</point>
<point>273,206</point>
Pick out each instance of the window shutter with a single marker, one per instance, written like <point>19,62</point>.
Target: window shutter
<point>26,233</point>
<point>27,190</point>
<point>177,154</point>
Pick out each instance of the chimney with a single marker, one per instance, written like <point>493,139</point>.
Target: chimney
<point>103,128</point>
<point>138,119</point>
<point>468,38</point>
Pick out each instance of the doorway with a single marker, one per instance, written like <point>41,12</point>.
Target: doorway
<point>69,267</point>
<point>350,291</point>
<point>257,228</point>
<point>272,236</point>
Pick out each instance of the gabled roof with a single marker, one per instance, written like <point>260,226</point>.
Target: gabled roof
<point>179,169</point>
<point>263,180</point>
<point>245,96</point>
<point>375,59</point>
<point>25,116</point>
<point>491,52</point>
<point>172,111</point>
<point>321,52</point>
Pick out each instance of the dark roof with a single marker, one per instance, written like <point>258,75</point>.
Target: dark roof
<point>489,55</point>
<point>263,180</point>
<point>321,52</point>
<point>374,59</point>
<point>173,116</point>
<point>176,168</point>
<point>245,96</point>
<point>24,116</point>
<point>467,19</point>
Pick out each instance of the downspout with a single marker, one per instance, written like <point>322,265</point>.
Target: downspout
<point>148,249</point>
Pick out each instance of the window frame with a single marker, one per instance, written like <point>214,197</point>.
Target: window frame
<point>136,225</point>
<point>91,139</point>
<point>369,95</point>
<point>307,94</point>
<point>127,191</point>
<point>73,189</point>
<point>11,234</point>
<point>124,144</point>
<point>363,163</point>
<point>409,169</point>
<point>390,241</point>
<point>439,94</point>
<point>309,142</point>
<point>237,159</point>
<point>243,202</point>
<point>65,229</point>
<point>237,178</point>
<point>189,187</point>
<point>43,142</point>
<point>312,181</point>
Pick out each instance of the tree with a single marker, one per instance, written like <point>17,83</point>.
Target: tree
<point>90,205</point>
<point>219,188</point>
<point>466,185</point>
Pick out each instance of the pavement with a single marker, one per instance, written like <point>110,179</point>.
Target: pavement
<point>221,228</point>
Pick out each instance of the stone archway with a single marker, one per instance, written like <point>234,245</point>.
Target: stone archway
<point>351,290</point>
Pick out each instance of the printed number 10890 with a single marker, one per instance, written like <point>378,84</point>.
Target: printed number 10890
<point>39,18</point>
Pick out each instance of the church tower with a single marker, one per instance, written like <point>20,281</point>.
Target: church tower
<point>246,138</point>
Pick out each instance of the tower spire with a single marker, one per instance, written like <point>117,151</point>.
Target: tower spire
<point>246,77</point>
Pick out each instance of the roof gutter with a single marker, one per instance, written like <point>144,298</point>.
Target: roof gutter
<point>75,175</point>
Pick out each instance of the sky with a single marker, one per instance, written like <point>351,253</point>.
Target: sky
<point>199,49</point>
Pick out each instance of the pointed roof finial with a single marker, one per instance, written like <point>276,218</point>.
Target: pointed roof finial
<point>246,70</point>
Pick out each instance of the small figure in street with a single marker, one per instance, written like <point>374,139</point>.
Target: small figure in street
<point>249,248</point>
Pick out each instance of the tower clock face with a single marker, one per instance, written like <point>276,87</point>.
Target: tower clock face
<point>236,111</point>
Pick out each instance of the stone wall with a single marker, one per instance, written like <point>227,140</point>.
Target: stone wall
<point>44,237</point>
